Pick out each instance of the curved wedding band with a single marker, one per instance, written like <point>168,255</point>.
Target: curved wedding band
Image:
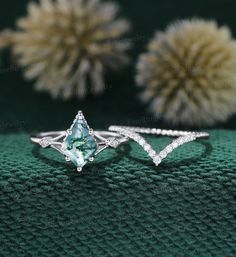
<point>80,144</point>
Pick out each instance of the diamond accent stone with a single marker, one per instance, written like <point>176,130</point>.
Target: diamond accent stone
<point>45,142</point>
<point>79,145</point>
<point>183,137</point>
<point>113,142</point>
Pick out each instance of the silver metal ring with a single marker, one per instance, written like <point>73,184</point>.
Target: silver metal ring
<point>182,138</point>
<point>80,144</point>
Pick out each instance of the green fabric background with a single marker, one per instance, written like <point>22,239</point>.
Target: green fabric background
<point>122,205</point>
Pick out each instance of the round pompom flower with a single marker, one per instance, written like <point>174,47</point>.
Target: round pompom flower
<point>189,73</point>
<point>67,45</point>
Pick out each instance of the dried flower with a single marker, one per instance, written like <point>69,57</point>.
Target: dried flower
<point>189,73</point>
<point>66,45</point>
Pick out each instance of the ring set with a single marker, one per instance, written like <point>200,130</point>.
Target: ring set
<point>80,144</point>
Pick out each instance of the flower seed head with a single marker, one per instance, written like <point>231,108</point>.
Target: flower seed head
<point>189,73</point>
<point>67,45</point>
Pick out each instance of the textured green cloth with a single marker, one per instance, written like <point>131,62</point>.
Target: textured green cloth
<point>121,205</point>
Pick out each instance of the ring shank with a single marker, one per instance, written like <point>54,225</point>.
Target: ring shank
<point>159,132</point>
<point>56,137</point>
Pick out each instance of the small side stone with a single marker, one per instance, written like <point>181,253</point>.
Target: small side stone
<point>45,142</point>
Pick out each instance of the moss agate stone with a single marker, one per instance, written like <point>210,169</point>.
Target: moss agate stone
<point>79,146</point>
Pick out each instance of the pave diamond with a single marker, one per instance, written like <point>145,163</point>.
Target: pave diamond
<point>182,138</point>
<point>79,145</point>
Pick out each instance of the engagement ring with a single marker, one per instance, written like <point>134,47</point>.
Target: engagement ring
<point>80,144</point>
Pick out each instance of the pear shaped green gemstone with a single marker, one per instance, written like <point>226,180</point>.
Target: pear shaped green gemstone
<point>79,145</point>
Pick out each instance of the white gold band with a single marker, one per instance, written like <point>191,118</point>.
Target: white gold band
<point>134,134</point>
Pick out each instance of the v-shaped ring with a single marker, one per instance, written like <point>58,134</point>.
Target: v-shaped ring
<point>183,137</point>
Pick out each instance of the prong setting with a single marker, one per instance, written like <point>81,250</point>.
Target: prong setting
<point>80,115</point>
<point>68,132</point>
<point>67,159</point>
<point>91,159</point>
<point>79,169</point>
